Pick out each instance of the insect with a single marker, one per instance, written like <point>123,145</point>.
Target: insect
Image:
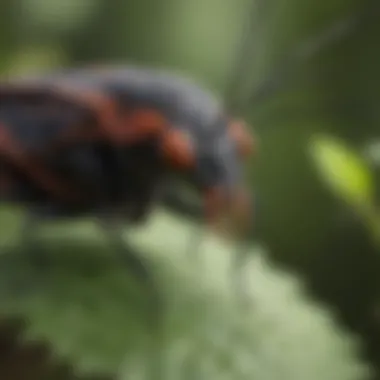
<point>105,142</point>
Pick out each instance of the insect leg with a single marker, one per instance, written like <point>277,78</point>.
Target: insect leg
<point>114,230</point>
<point>155,315</point>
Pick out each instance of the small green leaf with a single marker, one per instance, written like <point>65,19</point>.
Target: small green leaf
<point>344,171</point>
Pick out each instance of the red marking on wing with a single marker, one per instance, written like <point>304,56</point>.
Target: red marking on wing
<point>178,149</point>
<point>101,107</point>
<point>10,151</point>
<point>109,121</point>
<point>117,125</point>
<point>140,124</point>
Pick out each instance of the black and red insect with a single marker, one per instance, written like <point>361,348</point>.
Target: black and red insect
<point>106,142</point>
<point>86,141</point>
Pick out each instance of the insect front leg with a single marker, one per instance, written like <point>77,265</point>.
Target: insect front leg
<point>114,227</point>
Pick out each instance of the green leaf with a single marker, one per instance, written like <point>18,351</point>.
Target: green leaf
<point>344,171</point>
<point>92,311</point>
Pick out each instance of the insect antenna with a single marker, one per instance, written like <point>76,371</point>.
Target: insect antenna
<point>241,94</point>
<point>246,61</point>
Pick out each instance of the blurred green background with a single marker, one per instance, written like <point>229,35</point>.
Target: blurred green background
<point>316,182</point>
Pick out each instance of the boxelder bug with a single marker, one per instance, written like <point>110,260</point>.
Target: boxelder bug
<point>104,141</point>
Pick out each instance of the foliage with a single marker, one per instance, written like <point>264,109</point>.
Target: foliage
<point>92,311</point>
<point>349,176</point>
